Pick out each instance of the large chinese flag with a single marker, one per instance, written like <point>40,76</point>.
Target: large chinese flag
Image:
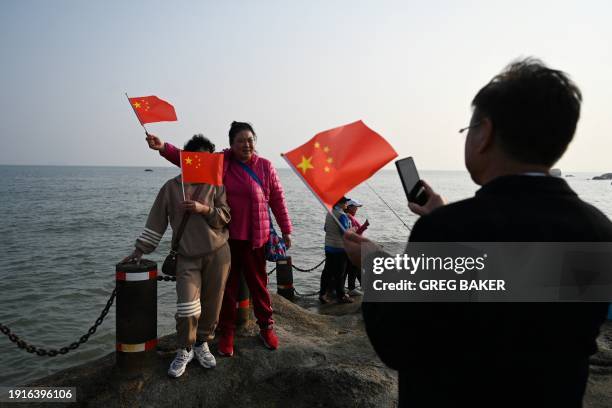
<point>335,161</point>
<point>202,167</point>
<point>150,109</point>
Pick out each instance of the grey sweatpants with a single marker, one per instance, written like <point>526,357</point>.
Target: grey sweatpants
<point>200,283</point>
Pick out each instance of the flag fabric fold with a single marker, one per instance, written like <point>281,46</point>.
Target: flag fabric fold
<point>335,161</point>
<point>151,109</point>
<point>202,167</point>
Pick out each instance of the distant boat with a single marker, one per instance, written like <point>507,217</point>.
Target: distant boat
<point>555,172</point>
<point>148,169</point>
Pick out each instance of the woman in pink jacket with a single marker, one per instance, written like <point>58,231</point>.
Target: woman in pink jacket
<point>249,228</point>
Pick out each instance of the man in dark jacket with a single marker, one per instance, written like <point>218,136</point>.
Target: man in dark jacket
<point>500,354</point>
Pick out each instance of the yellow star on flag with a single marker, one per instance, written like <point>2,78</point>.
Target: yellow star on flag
<point>136,105</point>
<point>326,149</point>
<point>305,164</point>
<point>326,169</point>
<point>188,160</point>
<point>317,145</point>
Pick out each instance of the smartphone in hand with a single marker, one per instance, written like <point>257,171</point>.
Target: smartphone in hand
<point>413,186</point>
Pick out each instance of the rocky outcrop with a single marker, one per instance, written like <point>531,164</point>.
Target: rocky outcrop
<point>323,361</point>
<point>606,176</point>
<point>599,387</point>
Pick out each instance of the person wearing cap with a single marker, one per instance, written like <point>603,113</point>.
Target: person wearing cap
<point>354,273</point>
<point>334,271</point>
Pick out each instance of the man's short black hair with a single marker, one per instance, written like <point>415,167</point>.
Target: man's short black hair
<point>199,143</point>
<point>534,111</point>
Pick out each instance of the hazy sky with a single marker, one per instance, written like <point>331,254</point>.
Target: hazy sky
<point>292,68</point>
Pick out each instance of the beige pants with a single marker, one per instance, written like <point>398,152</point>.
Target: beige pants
<point>200,283</point>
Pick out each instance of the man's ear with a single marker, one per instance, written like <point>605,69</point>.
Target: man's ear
<point>485,136</point>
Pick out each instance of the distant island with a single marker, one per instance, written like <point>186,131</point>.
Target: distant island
<point>606,176</point>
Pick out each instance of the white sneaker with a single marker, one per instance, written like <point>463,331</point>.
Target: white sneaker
<point>178,365</point>
<point>355,292</point>
<point>204,356</point>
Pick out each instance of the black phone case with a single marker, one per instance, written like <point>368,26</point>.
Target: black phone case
<point>412,196</point>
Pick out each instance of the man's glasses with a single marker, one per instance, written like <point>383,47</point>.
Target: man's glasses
<point>469,127</point>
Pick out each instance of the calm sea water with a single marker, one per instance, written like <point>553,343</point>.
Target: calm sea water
<point>64,229</point>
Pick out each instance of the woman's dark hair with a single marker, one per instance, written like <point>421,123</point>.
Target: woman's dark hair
<point>534,111</point>
<point>199,143</point>
<point>237,127</point>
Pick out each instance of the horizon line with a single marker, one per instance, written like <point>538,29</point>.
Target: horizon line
<point>278,167</point>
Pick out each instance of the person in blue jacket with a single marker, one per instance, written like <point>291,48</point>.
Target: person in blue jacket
<point>334,272</point>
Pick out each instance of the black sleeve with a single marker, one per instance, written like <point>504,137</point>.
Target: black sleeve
<point>403,332</point>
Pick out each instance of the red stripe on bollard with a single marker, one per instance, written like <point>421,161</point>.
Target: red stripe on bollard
<point>136,348</point>
<point>151,344</point>
<point>136,276</point>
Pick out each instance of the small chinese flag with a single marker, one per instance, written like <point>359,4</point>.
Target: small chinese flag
<point>335,161</point>
<point>202,167</point>
<point>150,109</point>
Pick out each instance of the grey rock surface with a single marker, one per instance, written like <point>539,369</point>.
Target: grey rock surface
<point>599,387</point>
<point>322,361</point>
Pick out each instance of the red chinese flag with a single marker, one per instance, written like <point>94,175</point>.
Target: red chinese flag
<point>202,167</point>
<point>150,109</point>
<point>335,161</point>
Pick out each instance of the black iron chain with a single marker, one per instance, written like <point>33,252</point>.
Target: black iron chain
<point>309,270</point>
<point>173,278</point>
<point>300,269</point>
<point>39,351</point>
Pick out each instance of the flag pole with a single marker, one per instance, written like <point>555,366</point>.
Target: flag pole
<point>182,181</point>
<point>330,212</point>
<point>141,124</point>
